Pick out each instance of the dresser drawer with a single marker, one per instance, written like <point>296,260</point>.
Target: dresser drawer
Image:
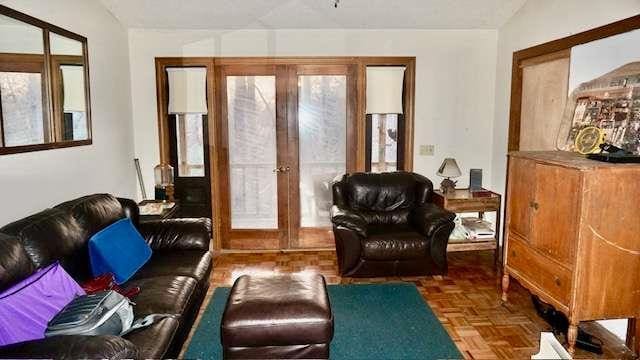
<point>538,269</point>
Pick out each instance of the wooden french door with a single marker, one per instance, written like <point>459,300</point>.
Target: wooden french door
<point>285,133</point>
<point>322,146</point>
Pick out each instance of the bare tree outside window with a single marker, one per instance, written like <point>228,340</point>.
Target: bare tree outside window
<point>21,95</point>
<point>384,142</point>
<point>190,144</point>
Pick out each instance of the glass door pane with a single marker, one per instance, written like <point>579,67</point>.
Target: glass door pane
<point>322,131</point>
<point>251,116</point>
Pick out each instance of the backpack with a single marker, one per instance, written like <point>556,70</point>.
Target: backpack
<point>101,313</point>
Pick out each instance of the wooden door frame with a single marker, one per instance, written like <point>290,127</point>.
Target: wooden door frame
<point>556,46</point>
<point>162,94</point>
<point>213,76</point>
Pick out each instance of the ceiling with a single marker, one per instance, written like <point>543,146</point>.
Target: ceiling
<point>313,14</point>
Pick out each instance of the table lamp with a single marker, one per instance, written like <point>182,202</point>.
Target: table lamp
<point>449,169</point>
<point>164,182</point>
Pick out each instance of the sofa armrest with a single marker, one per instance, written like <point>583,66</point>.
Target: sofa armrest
<point>349,219</point>
<point>181,234</point>
<point>428,218</point>
<point>72,347</point>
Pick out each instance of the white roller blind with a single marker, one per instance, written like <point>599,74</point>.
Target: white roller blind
<point>187,90</point>
<point>384,89</point>
<point>73,86</point>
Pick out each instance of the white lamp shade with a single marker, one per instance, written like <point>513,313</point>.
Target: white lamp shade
<point>187,90</point>
<point>449,168</point>
<point>384,89</point>
<point>73,88</point>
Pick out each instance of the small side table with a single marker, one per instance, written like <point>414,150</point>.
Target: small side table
<point>465,201</point>
<point>168,213</point>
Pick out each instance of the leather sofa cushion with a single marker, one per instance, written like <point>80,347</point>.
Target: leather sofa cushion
<point>153,341</point>
<point>72,347</point>
<point>52,235</point>
<point>15,264</point>
<point>163,294</point>
<point>94,212</point>
<point>193,263</point>
<point>277,311</point>
<point>394,243</point>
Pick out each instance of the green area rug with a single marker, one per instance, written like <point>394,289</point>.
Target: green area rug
<point>378,321</point>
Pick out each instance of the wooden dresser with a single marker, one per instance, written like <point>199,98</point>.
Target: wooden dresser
<point>572,235</point>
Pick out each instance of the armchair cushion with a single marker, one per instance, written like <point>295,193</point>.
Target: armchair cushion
<point>394,243</point>
<point>177,234</point>
<point>349,219</point>
<point>429,217</point>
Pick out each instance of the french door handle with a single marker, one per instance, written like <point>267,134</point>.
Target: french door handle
<point>281,169</point>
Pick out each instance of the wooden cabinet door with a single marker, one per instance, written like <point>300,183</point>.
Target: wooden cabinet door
<point>556,212</point>
<point>520,196</point>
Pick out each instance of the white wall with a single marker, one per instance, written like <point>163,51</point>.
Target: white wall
<point>30,182</point>
<point>539,21</point>
<point>455,75</point>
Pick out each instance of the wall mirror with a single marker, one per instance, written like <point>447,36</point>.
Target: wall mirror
<point>44,85</point>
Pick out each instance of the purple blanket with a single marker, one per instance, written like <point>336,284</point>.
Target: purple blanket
<point>27,307</point>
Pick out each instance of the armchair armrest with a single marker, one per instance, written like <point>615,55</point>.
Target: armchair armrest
<point>349,219</point>
<point>72,347</point>
<point>181,234</point>
<point>429,217</point>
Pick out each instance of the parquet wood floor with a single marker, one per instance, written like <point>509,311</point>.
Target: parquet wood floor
<point>466,301</point>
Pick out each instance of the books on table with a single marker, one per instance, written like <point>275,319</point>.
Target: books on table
<point>472,228</point>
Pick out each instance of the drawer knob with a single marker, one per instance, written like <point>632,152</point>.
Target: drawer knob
<point>534,205</point>
<point>557,280</point>
<point>513,253</point>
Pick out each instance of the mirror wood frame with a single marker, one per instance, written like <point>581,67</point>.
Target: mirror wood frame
<point>52,130</point>
<point>547,51</point>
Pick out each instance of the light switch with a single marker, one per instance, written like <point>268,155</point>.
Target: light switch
<point>426,150</point>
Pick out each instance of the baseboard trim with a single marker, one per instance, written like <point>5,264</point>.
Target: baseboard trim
<point>263,251</point>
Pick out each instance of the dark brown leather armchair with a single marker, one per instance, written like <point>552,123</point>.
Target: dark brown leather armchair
<point>385,224</point>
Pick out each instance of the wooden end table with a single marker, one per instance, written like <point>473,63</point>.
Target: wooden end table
<point>479,201</point>
<point>169,213</point>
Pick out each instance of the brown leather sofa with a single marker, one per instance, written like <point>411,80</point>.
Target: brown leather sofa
<point>174,281</point>
<point>385,224</point>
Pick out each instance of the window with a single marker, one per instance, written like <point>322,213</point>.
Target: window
<point>190,145</point>
<point>385,142</point>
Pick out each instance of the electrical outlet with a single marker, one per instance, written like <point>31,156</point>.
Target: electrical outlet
<point>427,150</point>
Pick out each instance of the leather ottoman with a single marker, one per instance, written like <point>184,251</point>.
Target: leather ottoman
<point>277,317</point>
